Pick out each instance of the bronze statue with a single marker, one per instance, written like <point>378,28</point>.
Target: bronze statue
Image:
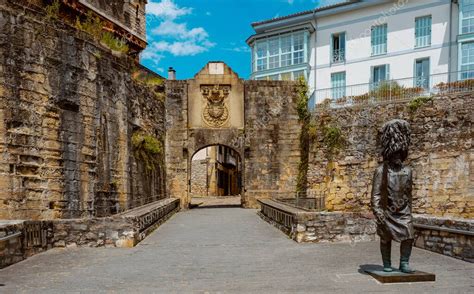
<point>391,195</point>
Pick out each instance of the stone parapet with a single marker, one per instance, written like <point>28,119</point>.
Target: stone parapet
<point>22,239</point>
<point>315,226</point>
<point>447,236</point>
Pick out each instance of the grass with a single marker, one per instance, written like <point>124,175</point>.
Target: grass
<point>113,43</point>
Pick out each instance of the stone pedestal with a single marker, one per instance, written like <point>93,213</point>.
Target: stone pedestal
<point>399,277</point>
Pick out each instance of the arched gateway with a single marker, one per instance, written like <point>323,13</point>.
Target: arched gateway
<point>257,119</point>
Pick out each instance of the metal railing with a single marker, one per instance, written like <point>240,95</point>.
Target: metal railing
<point>310,200</point>
<point>338,55</point>
<point>395,90</point>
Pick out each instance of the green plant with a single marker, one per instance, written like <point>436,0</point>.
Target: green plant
<point>113,43</point>
<point>97,54</point>
<point>92,25</point>
<point>387,90</point>
<point>147,148</point>
<point>302,103</point>
<point>304,116</point>
<point>149,80</point>
<point>52,10</point>
<point>333,139</point>
<point>312,131</point>
<point>418,102</point>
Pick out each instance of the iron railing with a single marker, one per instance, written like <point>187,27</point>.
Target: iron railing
<point>310,200</point>
<point>338,55</point>
<point>395,90</point>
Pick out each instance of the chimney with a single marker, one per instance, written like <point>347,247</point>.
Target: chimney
<point>171,74</point>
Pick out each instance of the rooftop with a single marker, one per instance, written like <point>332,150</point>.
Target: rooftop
<point>312,11</point>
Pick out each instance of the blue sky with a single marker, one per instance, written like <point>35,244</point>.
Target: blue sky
<point>186,34</point>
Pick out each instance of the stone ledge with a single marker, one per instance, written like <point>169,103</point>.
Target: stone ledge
<point>448,236</point>
<point>125,230</point>
<point>306,226</point>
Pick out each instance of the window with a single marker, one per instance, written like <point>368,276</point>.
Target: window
<point>338,85</point>
<point>261,56</point>
<point>379,40</point>
<point>422,73</point>
<point>286,51</point>
<point>467,16</point>
<point>338,47</point>
<point>423,31</point>
<point>280,51</point>
<point>379,74</point>
<point>274,53</point>
<point>467,61</point>
<point>298,48</point>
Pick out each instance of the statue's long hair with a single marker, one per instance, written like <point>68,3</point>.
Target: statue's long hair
<point>395,138</point>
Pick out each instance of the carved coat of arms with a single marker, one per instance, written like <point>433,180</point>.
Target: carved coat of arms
<point>215,112</point>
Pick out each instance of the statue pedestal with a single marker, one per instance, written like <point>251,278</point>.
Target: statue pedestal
<point>399,277</point>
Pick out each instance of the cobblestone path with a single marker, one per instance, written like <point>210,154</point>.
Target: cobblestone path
<point>223,250</point>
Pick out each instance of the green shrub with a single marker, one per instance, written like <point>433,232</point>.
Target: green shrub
<point>418,102</point>
<point>302,103</point>
<point>113,43</point>
<point>52,10</point>
<point>147,148</point>
<point>333,139</point>
<point>92,25</point>
<point>150,81</point>
<point>312,131</point>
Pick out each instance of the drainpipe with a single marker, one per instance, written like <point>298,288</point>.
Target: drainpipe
<point>450,39</point>
<point>315,55</point>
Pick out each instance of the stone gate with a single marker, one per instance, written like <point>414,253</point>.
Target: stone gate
<point>258,119</point>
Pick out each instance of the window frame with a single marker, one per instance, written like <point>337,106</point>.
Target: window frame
<point>462,19</point>
<point>343,59</point>
<point>338,92</point>
<point>470,72</point>
<point>429,36</point>
<point>383,45</point>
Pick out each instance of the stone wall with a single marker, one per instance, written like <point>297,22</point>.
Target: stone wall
<point>68,111</point>
<point>11,243</point>
<point>272,130</point>
<point>316,226</point>
<point>22,239</point>
<point>130,14</point>
<point>268,144</point>
<point>442,155</point>
<point>198,178</point>
<point>448,236</point>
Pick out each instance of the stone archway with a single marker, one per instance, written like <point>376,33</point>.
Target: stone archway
<point>215,170</point>
<point>258,119</point>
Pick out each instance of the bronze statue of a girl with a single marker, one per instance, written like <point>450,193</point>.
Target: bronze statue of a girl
<point>392,194</point>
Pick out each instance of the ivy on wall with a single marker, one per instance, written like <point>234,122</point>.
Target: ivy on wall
<point>147,149</point>
<point>304,116</point>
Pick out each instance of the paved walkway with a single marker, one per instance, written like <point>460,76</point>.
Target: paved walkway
<point>216,202</point>
<point>223,250</point>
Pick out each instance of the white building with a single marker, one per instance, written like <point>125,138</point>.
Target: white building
<point>350,47</point>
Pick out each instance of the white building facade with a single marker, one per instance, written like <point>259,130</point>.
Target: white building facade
<point>354,46</point>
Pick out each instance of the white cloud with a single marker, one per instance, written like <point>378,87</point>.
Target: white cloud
<point>241,49</point>
<point>173,36</point>
<point>167,9</point>
<point>177,48</point>
<point>180,31</point>
<point>151,55</point>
